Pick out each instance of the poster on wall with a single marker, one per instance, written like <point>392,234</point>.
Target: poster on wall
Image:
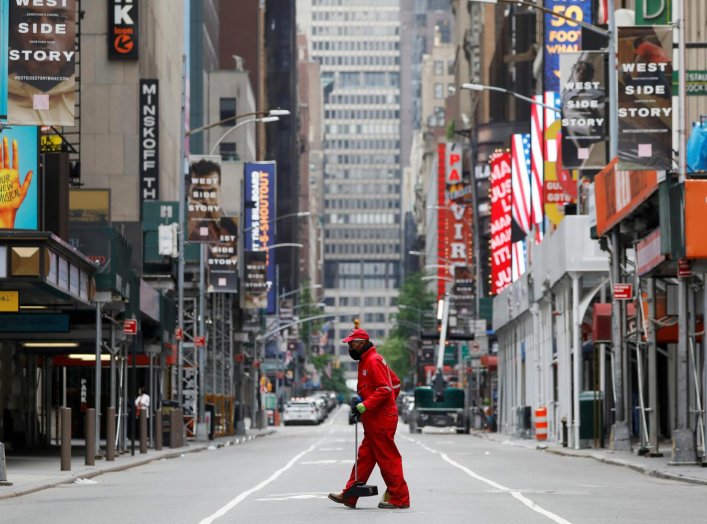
<point>583,95</point>
<point>41,63</point>
<point>18,178</point>
<point>259,218</point>
<point>562,36</point>
<point>501,196</point>
<point>645,97</point>
<point>223,258</point>
<point>203,199</point>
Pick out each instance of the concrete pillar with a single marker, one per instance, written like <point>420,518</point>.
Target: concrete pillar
<point>65,439</point>
<point>90,419</point>
<point>157,429</point>
<point>175,428</point>
<point>143,431</point>
<point>110,434</point>
<point>3,467</point>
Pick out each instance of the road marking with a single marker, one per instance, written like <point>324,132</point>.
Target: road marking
<point>295,496</point>
<point>514,493</point>
<point>240,498</point>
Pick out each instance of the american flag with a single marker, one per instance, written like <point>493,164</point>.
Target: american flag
<point>552,99</point>
<point>536,166</point>
<point>517,260</point>
<point>520,180</point>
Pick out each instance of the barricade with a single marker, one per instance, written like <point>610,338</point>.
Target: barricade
<point>541,423</point>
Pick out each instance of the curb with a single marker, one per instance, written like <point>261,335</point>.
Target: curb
<point>123,467</point>
<point>613,462</point>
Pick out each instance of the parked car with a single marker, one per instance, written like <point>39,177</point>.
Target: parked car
<point>322,410</point>
<point>406,403</point>
<point>301,411</point>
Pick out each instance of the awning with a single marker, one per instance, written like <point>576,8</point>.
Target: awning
<point>489,361</point>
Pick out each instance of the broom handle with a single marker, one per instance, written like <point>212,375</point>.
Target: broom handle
<point>356,451</point>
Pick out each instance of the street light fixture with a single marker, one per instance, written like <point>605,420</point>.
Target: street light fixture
<point>264,120</point>
<point>480,87</point>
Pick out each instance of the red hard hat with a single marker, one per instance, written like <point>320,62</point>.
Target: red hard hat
<point>356,334</point>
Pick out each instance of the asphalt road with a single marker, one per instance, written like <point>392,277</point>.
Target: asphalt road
<point>285,477</point>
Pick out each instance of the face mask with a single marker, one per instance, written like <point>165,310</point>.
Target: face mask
<point>354,354</point>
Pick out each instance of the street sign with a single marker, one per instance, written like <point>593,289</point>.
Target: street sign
<point>623,291</point>
<point>200,341</point>
<point>130,326</point>
<point>684,269</point>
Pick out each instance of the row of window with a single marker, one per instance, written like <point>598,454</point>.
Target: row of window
<point>362,173</point>
<point>377,128</point>
<point>365,145</point>
<point>357,3</point>
<point>360,60</point>
<point>362,159</point>
<point>362,234</point>
<point>362,114</point>
<point>337,15</point>
<point>356,45</point>
<point>365,301</point>
<point>439,67</point>
<point>368,79</point>
<point>363,189</point>
<point>364,218</point>
<point>352,30</point>
<point>366,268</point>
<point>361,203</point>
<point>390,98</point>
<point>366,283</point>
<point>378,334</point>
<point>439,90</point>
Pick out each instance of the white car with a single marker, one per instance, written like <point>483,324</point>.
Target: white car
<point>301,411</point>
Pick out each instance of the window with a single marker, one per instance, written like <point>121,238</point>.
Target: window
<point>228,153</point>
<point>439,91</point>
<point>439,67</point>
<point>227,109</point>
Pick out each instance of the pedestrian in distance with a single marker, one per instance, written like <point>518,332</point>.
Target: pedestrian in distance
<point>142,402</point>
<point>378,387</point>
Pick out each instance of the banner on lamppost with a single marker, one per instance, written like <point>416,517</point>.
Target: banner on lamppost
<point>645,97</point>
<point>19,178</point>
<point>222,261</point>
<point>259,219</point>
<point>203,199</point>
<point>41,70</point>
<point>583,98</point>
<point>255,280</point>
<point>500,221</point>
<point>562,36</point>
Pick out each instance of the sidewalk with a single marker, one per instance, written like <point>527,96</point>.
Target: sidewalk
<point>34,472</point>
<point>653,466</point>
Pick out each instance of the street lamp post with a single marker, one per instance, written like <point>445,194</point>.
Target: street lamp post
<point>261,116</point>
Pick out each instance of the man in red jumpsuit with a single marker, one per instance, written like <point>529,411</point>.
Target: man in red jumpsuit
<point>378,387</point>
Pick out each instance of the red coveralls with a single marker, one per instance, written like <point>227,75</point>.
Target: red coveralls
<point>378,386</point>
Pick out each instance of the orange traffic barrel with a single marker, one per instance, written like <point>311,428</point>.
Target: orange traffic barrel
<point>541,423</point>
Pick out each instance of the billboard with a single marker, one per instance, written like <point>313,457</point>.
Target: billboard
<point>562,36</point>
<point>149,140</point>
<point>4,21</point>
<point>222,259</point>
<point>500,221</point>
<point>123,29</point>
<point>41,72</point>
<point>255,280</point>
<point>583,97</point>
<point>645,97</point>
<point>203,199</point>
<point>19,207</point>
<point>454,214</point>
<point>259,218</point>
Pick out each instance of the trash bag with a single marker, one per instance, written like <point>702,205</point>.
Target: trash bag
<point>697,149</point>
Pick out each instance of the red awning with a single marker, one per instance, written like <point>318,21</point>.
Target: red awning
<point>489,361</point>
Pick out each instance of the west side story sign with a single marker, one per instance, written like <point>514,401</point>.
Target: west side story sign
<point>149,140</point>
<point>123,30</point>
